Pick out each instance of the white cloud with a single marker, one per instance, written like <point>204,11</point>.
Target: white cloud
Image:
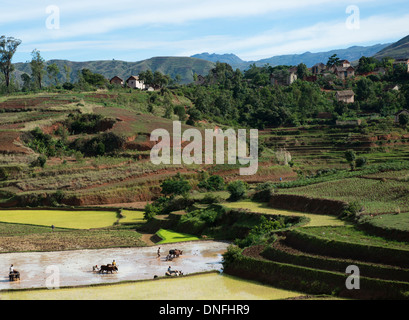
<point>113,26</point>
<point>84,18</point>
<point>377,29</point>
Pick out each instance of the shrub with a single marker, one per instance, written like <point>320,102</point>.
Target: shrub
<point>175,186</point>
<point>262,232</point>
<point>40,161</point>
<point>232,254</point>
<point>237,190</point>
<point>150,211</point>
<point>213,183</point>
<point>352,210</point>
<point>210,199</point>
<point>264,191</point>
<point>361,162</point>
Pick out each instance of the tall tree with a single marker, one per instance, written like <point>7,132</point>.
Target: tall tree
<point>26,81</point>
<point>53,72</point>
<point>8,47</point>
<point>333,61</point>
<point>37,64</point>
<point>67,70</point>
<point>302,71</point>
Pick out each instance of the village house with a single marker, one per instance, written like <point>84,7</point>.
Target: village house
<point>135,83</point>
<point>318,68</point>
<point>344,72</point>
<point>344,63</point>
<point>398,114</point>
<point>346,96</point>
<point>285,78</point>
<point>402,61</point>
<point>117,80</point>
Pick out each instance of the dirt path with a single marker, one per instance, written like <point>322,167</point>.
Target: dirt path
<point>146,237</point>
<point>74,268</point>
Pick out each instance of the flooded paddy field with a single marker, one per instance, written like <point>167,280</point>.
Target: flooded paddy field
<point>74,268</point>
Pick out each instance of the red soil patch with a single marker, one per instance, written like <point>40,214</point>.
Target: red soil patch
<point>7,145</point>
<point>31,103</point>
<point>124,205</point>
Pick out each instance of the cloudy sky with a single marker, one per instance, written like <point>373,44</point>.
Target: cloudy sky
<point>134,30</point>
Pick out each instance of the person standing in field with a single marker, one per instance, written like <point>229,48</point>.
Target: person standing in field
<point>158,252</point>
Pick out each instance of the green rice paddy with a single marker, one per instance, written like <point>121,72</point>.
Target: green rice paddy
<point>60,218</point>
<point>316,220</point>
<point>169,236</point>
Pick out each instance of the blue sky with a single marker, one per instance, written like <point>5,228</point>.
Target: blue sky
<point>252,29</point>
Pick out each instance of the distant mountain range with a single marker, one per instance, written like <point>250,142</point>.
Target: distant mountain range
<point>397,50</point>
<point>310,59</point>
<point>183,66</point>
<point>202,63</point>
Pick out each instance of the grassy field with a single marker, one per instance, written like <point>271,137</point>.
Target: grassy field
<point>315,219</point>
<point>375,196</point>
<point>199,287</point>
<point>169,236</point>
<point>60,218</point>
<point>389,221</point>
<point>352,235</point>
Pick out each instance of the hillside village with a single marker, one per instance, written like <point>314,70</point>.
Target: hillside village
<point>335,69</point>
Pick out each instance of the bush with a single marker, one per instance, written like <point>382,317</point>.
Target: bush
<point>150,211</point>
<point>262,232</point>
<point>39,162</point>
<point>352,210</point>
<point>232,254</point>
<point>213,183</point>
<point>210,199</point>
<point>237,190</point>
<point>264,191</point>
<point>175,186</point>
<point>361,162</point>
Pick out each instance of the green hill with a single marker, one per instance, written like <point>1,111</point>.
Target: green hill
<point>397,50</point>
<point>183,66</point>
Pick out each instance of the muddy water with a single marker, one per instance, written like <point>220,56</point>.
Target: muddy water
<point>74,268</point>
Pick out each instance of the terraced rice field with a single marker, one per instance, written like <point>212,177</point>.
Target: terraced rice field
<point>60,218</point>
<point>131,216</point>
<point>316,220</point>
<point>377,197</point>
<point>210,286</point>
<point>170,236</point>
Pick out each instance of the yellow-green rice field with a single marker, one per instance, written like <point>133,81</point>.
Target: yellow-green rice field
<point>131,216</point>
<point>316,220</point>
<point>60,218</point>
<point>210,286</point>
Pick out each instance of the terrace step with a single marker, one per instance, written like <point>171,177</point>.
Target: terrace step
<point>283,253</point>
<point>338,249</point>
